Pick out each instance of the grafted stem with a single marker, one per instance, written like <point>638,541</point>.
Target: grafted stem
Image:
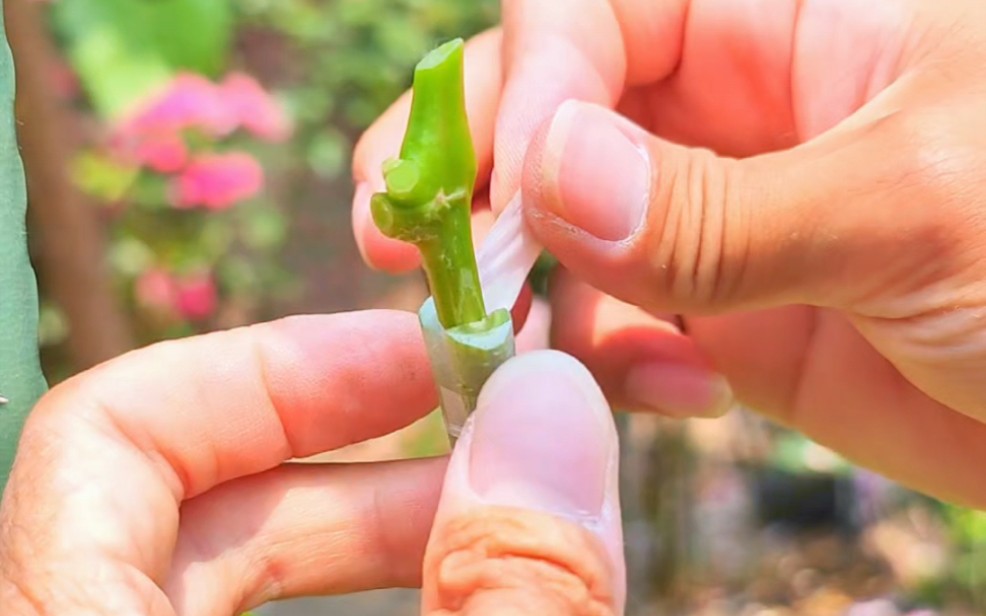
<point>430,187</point>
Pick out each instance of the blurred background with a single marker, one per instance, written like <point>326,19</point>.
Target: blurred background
<point>188,170</point>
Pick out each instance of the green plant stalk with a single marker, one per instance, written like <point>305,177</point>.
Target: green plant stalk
<point>430,187</point>
<point>21,381</point>
<point>428,202</point>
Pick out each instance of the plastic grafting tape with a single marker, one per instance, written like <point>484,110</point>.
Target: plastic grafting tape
<point>464,357</point>
<point>506,257</point>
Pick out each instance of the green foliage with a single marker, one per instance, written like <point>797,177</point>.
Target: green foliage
<point>336,65</point>
<point>123,49</point>
<point>968,533</point>
<point>794,453</point>
<point>429,439</point>
<point>21,381</point>
<point>350,59</point>
<point>236,247</point>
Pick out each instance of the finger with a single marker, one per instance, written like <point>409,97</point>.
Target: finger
<point>680,230</point>
<point>535,333</point>
<point>302,530</point>
<point>747,49</point>
<point>527,522</point>
<point>383,140</point>
<point>126,442</point>
<point>657,59</point>
<point>216,407</point>
<point>642,362</point>
<point>552,51</point>
<point>812,371</point>
<point>784,72</point>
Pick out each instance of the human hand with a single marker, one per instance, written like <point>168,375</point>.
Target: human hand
<point>827,257</point>
<point>157,484</point>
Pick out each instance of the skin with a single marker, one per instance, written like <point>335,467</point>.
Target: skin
<point>160,484</point>
<point>814,210</point>
<point>507,552</point>
<point>839,292</point>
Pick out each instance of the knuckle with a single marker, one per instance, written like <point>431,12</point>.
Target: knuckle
<point>501,560</point>
<point>932,172</point>
<point>934,159</point>
<point>691,233</point>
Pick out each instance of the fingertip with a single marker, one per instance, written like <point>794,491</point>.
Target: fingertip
<point>553,52</point>
<point>643,362</point>
<point>542,159</point>
<point>379,251</point>
<point>510,465</point>
<point>591,169</point>
<point>522,308</point>
<point>544,369</point>
<point>524,404</point>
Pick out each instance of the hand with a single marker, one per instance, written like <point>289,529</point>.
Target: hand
<point>803,182</point>
<point>157,483</point>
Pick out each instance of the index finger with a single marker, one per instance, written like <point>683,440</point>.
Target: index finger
<point>206,410</point>
<point>552,52</point>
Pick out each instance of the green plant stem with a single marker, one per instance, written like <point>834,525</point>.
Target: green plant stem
<point>430,187</point>
<point>451,266</point>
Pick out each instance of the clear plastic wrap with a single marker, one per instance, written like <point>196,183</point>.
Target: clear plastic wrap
<point>506,257</point>
<point>464,357</point>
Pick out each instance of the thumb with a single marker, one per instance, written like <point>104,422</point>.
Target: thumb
<point>529,518</point>
<point>679,229</point>
<point>552,51</point>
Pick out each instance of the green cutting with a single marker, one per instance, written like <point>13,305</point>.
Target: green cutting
<point>428,202</point>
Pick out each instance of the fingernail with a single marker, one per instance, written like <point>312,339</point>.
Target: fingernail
<point>542,437</point>
<point>678,390</point>
<point>600,177</point>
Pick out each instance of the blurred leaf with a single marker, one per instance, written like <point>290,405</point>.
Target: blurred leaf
<point>237,275</point>
<point>209,242</point>
<point>427,437</point>
<point>130,256</point>
<point>327,154</point>
<point>795,453</point>
<point>101,177</point>
<point>309,104</point>
<point>123,49</point>
<point>968,526</point>
<point>52,326</point>
<point>264,227</point>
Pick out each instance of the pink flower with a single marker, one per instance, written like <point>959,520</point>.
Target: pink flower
<point>161,152</point>
<point>189,101</point>
<point>193,297</point>
<point>153,136</point>
<point>218,181</point>
<point>197,297</point>
<point>254,108</point>
<point>156,288</point>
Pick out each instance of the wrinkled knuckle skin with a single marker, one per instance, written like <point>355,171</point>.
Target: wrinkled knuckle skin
<point>507,561</point>
<point>685,247</point>
<point>39,578</point>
